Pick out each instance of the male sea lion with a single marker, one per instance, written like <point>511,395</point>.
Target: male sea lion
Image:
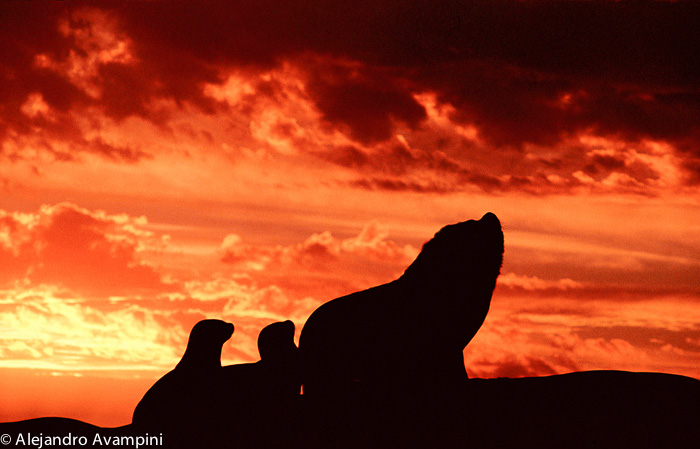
<point>407,335</point>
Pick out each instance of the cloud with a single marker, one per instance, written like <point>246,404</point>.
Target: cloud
<point>505,348</point>
<point>320,268</point>
<point>559,334</point>
<point>314,251</point>
<point>363,103</point>
<point>481,99</point>
<point>48,328</point>
<point>372,242</point>
<point>445,156</point>
<point>88,251</point>
<point>510,84</point>
<point>680,337</point>
<point>96,42</point>
<point>630,266</point>
<point>517,348</point>
<point>318,250</point>
<point>532,283</point>
<point>54,71</point>
<point>399,185</point>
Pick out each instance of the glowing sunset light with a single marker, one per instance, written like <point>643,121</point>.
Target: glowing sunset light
<point>161,164</point>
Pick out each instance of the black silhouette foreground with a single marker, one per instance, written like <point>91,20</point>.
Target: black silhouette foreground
<point>185,395</point>
<point>259,402</point>
<point>595,409</point>
<point>236,400</point>
<point>383,368</point>
<point>407,335</point>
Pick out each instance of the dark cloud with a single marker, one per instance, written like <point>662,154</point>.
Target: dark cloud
<point>401,185</point>
<point>604,162</point>
<point>127,90</point>
<point>692,165</point>
<point>399,168</point>
<point>367,104</point>
<point>60,137</point>
<point>520,72</point>
<point>347,156</point>
<point>28,30</point>
<point>115,152</point>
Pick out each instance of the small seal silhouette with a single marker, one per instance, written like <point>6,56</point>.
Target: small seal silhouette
<point>184,395</point>
<point>258,404</point>
<point>274,376</point>
<point>409,334</point>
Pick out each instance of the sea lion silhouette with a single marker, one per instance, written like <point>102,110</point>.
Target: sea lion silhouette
<point>275,375</point>
<point>183,396</point>
<point>259,402</point>
<point>409,334</point>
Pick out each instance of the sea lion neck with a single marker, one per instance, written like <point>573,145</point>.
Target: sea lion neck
<point>200,358</point>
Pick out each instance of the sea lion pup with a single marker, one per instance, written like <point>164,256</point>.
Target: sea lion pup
<point>259,402</point>
<point>182,397</point>
<point>274,376</point>
<point>279,359</point>
<point>407,335</point>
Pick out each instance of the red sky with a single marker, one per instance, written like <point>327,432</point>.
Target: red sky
<point>162,162</point>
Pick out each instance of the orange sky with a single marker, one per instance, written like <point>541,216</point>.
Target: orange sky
<point>165,162</point>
